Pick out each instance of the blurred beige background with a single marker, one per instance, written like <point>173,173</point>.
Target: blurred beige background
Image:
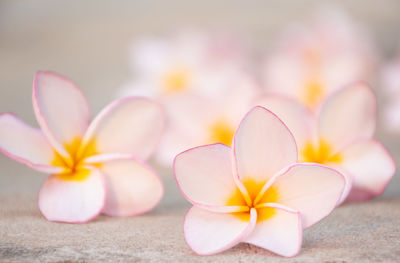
<point>88,41</point>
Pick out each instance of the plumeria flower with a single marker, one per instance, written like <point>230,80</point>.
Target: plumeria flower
<point>319,58</point>
<point>340,136</point>
<point>196,120</point>
<point>201,82</point>
<point>255,192</point>
<point>186,62</point>
<point>391,88</point>
<point>95,167</point>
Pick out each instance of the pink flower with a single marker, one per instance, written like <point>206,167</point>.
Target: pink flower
<point>340,136</point>
<point>196,120</point>
<point>95,167</point>
<point>315,59</point>
<point>199,79</point>
<point>256,192</point>
<point>186,62</point>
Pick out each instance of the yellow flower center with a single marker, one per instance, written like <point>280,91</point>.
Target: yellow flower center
<point>74,163</point>
<point>255,199</point>
<point>312,93</point>
<point>221,132</point>
<point>322,153</point>
<point>176,80</point>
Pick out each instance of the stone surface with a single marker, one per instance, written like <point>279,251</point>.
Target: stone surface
<point>368,232</point>
<point>88,41</point>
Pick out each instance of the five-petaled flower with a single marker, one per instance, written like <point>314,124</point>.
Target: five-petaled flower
<point>202,83</point>
<point>317,58</point>
<point>256,192</point>
<point>95,167</point>
<point>340,136</point>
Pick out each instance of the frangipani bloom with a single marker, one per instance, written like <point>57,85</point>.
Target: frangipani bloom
<point>391,86</point>
<point>195,120</point>
<point>187,62</point>
<point>95,167</point>
<point>340,136</point>
<point>256,192</point>
<point>201,82</point>
<point>313,60</point>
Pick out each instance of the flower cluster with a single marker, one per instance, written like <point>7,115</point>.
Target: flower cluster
<point>262,151</point>
<point>254,193</point>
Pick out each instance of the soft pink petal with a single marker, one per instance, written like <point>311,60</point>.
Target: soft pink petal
<point>25,144</point>
<point>298,118</point>
<point>60,107</point>
<point>132,187</point>
<point>312,189</point>
<point>208,233</point>
<point>72,201</point>
<point>347,178</point>
<point>204,174</point>
<point>347,115</point>
<point>280,234</point>
<point>370,165</point>
<point>263,146</point>
<point>131,125</point>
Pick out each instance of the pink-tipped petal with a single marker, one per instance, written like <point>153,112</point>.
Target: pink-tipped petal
<point>312,189</point>
<point>132,187</point>
<point>61,108</point>
<point>204,175</point>
<point>280,233</point>
<point>208,233</point>
<point>131,125</point>
<point>263,146</point>
<point>25,144</point>
<point>347,115</point>
<point>347,178</point>
<point>72,201</point>
<point>298,118</point>
<point>371,167</point>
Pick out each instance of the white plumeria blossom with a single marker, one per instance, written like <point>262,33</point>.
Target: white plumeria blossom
<point>202,84</point>
<point>313,60</point>
<point>255,192</point>
<point>340,135</point>
<point>96,167</point>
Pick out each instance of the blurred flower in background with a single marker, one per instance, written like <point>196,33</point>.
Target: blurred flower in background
<point>202,81</point>
<point>341,136</point>
<point>391,87</point>
<point>316,58</point>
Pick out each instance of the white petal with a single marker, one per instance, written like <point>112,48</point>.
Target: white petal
<point>348,115</point>
<point>131,125</point>
<point>298,118</point>
<point>72,201</point>
<point>132,187</point>
<point>281,231</point>
<point>263,146</point>
<point>371,167</point>
<point>312,189</point>
<point>61,109</point>
<point>25,144</point>
<point>208,233</point>
<point>204,175</point>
